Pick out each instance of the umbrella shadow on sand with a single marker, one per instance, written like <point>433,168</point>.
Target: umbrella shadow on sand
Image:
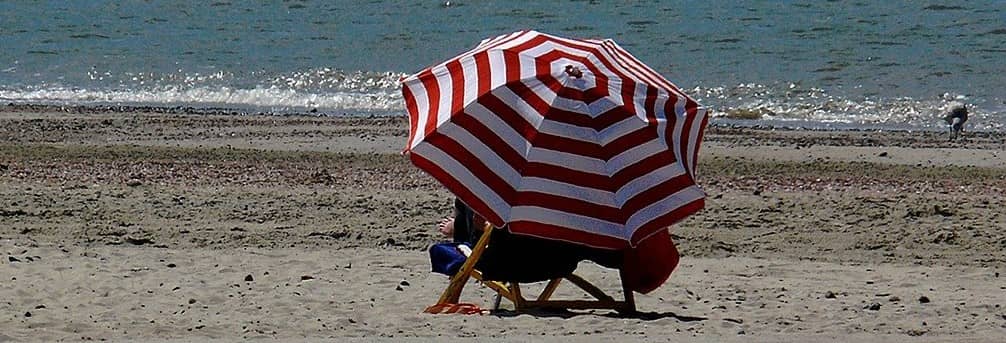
<point>567,314</point>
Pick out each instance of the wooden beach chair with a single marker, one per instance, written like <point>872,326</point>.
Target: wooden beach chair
<point>512,290</point>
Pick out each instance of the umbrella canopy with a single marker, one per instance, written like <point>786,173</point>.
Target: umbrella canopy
<point>565,139</point>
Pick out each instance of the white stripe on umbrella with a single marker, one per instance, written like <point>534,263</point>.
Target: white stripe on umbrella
<point>565,160</point>
<point>613,132</point>
<point>603,159</point>
<point>495,124</point>
<point>675,137</point>
<point>634,155</point>
<point>469,72</point>
<point>497,80</point>
<point>569,190</point>
<point>443,113</point>
<point>415,95</point>
<point>641,184</point>
<point>694,138</point>
<point>668,204</point>
<point>544,215</point>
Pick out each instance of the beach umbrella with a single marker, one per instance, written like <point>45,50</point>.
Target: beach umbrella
<point>565,139</point>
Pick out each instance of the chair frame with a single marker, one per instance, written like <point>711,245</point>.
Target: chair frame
<point>512,290</point>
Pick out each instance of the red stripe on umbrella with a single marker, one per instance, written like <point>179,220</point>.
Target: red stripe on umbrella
<point>565,139</point>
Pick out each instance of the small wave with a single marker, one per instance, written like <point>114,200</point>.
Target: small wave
<point>942,8</point>
<point>325,90</point>
<point>794,103</point>
<point>885,43</point>
<point>340,80</point>
<point>89,36</point>
<point>271,99</point>
<point>728,40</point>
<point>641,22</point>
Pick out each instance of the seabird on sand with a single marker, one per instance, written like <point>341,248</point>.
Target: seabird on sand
<point>956,116</point>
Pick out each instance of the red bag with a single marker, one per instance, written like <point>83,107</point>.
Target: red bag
<point>649,264</point>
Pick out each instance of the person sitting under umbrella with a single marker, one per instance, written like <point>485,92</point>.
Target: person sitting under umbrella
<point>518,258</point>
<point>521,258</point>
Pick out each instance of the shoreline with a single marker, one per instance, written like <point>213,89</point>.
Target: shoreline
<point>715,122</point>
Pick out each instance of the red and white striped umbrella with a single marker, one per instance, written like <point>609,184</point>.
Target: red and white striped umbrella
<point>565,139</point>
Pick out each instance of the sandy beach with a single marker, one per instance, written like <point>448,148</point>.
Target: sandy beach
<point>127,224</point>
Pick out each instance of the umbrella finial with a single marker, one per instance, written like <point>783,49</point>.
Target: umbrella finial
<point>573,71</point>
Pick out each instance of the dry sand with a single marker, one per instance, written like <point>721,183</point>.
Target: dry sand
<point>119,224</point>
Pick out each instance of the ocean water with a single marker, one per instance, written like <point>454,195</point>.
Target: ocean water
<point>853,64</point>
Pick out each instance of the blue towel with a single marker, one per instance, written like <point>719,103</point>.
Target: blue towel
<point>446,258</point>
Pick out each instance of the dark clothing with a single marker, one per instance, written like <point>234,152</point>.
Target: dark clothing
<point>519,258</point>
<point>464,225</point>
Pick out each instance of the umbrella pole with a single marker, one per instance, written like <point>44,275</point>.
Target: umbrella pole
<point>452,294</point>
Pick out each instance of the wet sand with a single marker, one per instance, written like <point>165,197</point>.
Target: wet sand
<point>123,224</point>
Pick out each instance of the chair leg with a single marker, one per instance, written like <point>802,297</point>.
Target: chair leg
<point>518,298</point>
<point>588,287</point>
<point>604,301</point>
<point>549,289</point>
<point>630,299</point>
